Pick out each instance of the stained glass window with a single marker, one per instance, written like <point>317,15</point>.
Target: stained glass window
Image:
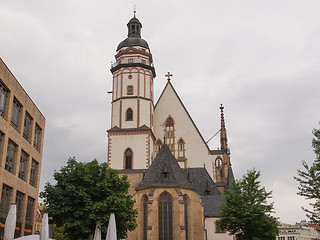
<point>165,216</point>
<point>145,217</point>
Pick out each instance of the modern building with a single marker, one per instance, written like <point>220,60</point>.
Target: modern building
<point>299,231</point>
<point>177,181</point>
<point>21,141</point>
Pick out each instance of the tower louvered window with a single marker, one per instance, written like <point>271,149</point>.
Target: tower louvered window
<point>169,134</point>
<point>165,217</point>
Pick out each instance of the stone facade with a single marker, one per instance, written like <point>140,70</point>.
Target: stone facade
<point>21,141</point>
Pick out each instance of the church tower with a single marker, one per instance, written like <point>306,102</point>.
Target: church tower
<point>130,138</point>
<point>223,171</point>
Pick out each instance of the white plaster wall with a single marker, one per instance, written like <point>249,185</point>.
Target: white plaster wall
<point>211,231</point>
<point>138,145</point>
<point>197,153</point>
<point>115,118</point>
<point>145,112</point>
<point>129,103</point>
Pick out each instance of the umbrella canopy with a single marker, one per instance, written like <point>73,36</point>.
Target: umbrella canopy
<point>97,232</point>
<point>112,228</point>
<point>44,232</point>
<point>10,224</point>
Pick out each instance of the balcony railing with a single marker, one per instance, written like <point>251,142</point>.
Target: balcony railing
<point>132,60</point>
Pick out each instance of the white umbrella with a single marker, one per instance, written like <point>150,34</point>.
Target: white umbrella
<point>44,232</point>
<point>10,225</point>
<point>112,228</point>
<point>97,232</point>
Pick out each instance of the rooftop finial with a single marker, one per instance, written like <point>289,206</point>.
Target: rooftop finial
<point>134,9</point>
<point>222,116</point>
<point>168,76</point>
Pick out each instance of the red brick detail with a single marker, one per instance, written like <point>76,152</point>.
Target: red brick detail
<point>109,152</point>
<point>138,113</point>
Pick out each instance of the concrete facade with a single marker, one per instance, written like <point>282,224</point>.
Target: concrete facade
<point>21,141</point>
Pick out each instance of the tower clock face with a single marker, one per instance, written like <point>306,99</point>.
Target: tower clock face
<point>218,163</point>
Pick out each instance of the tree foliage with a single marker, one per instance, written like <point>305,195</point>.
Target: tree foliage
<point>246,212</point>
<point>309,181</point>
<point>85,193</point>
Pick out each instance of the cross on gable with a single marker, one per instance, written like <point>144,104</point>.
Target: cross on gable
<point>168,76</point>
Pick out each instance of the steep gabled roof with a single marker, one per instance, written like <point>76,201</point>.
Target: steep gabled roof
<point>176,94</point>
<point>212,205</point>
<point>201,181</point>
<point>164,172</point>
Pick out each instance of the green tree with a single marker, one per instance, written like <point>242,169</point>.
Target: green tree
<point>85,193</point>
<point>309,181</point>
<point>246,212</point>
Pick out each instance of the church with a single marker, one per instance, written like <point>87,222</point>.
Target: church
<point>177,181</point>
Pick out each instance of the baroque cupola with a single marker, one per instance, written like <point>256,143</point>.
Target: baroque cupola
<point>132,102</point>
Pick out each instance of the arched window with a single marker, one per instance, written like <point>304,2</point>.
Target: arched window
<point>158,145</point>
<point>145,217</point>
<point>129,114</point>
<point>185,201</point>
<point>165,216</point>
<point>169,133</point>
<point>128,159</point>
<point>181,149</point>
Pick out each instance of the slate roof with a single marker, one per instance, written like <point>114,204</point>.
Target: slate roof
<point>201,181</point>
<point>230,177</point>
<point>212,204</point>
<point>164,172</point>
<point>117,129</point>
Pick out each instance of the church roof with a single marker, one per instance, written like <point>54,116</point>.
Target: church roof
<point>164,172</point>
<point>230,179</point>
<point>134,35</point>
<point>212,205</point>
<point>201,181</point>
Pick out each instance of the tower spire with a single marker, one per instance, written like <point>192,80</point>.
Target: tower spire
<point>223,132</point>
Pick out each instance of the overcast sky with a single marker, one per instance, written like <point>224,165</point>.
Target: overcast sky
<point>261,59</point>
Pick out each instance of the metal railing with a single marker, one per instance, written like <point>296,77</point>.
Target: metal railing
<point>131,60</point>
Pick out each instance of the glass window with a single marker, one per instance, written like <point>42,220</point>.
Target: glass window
<point>128,159</point>
<point>4,93</point>
<point>11,156</point>
<point>169,133</point>
<point>23,165</point>
<point>16,114</point>
<point>30,210</point>
<point>27,127</point>
<point>19,202</point>
<point>129,114</point>
<point>130,90</point>
<point>37,137</point>
<point>181,149</point>
<point>5,200</point>
<point>34,173</point>
<point>185,201</point>
<point>165,216</point>
<point>145,217</point>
